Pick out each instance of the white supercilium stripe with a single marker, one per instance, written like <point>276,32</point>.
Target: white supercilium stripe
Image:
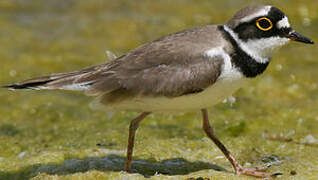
<point>262,12</point>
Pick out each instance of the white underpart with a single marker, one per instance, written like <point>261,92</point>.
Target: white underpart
<point>259,49</point>
<point>283,23</point>
<point>262,12</point>
<point>228,82</point>
<point>265,47</point>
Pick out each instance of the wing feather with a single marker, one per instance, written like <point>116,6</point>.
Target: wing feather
<point>171,66</point>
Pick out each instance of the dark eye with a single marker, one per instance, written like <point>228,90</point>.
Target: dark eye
<point>264,24</point>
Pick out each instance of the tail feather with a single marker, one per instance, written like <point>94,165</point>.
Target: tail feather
<point>93,81</point>
<point>30,85</point>
<point>58,81</point>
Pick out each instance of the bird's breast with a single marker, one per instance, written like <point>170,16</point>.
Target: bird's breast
<point>210,96</point>
<point>230,79</point>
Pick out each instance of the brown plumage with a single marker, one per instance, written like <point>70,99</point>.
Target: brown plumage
<point>189,70</point>
<point>155,69</point>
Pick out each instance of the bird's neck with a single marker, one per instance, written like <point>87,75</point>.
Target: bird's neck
<point>250,64</point>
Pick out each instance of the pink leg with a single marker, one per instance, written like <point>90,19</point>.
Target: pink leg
<point>132,131</point>
<point>237,167</point>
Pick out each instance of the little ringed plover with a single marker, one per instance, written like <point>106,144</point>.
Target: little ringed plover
<point>185,71</point>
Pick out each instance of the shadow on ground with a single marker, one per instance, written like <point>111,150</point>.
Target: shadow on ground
<point>177,166</point>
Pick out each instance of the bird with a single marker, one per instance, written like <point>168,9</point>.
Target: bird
<point>190,70</point>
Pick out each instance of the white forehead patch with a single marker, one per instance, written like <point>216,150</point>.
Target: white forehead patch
<point>283,23</point>
<point>262,12</point>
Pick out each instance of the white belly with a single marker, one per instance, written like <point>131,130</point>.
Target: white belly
<point>207,98</point>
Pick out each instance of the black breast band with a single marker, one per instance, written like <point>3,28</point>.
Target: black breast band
<point>249,66</point>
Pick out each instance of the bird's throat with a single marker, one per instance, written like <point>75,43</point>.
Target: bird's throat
<point>249,65</point>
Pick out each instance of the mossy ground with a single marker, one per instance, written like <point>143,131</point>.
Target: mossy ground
<point>53,134</point>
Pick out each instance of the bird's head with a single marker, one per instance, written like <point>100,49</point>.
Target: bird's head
<point>261,30</point>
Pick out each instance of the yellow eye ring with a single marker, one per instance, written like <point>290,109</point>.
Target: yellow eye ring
<point>264,28</point>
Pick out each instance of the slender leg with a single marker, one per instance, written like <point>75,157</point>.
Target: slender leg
<point>132,131</point>
<point>237,167</point>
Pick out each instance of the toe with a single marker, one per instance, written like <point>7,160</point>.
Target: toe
<point>257,173</point>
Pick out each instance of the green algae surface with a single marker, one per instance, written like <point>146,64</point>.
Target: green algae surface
<point>58,135</point>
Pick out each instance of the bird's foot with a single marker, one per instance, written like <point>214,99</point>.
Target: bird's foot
<point>256,172</point>
<point>127,168</point>
<point>260,168</point>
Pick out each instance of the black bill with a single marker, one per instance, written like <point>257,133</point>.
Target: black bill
<point>293,35</point>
